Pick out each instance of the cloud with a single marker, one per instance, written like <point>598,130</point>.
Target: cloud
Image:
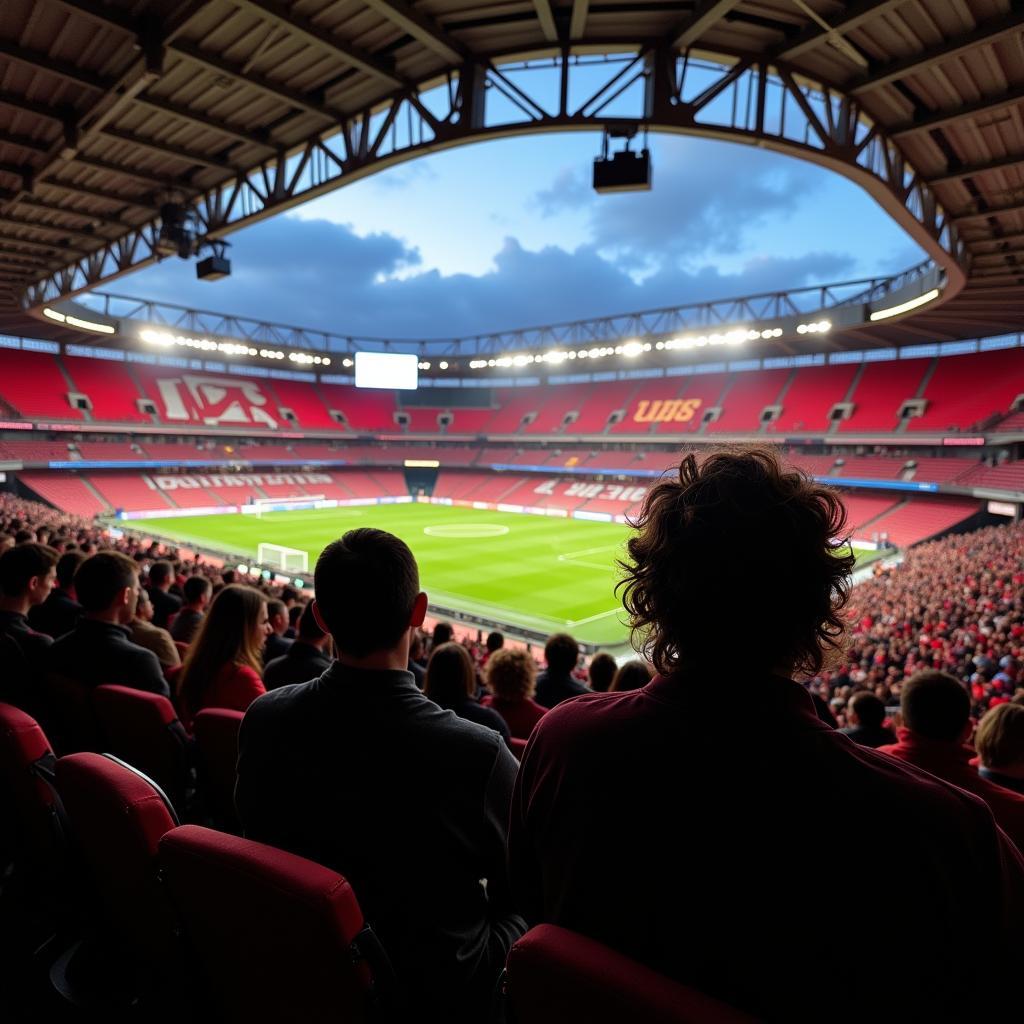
<point>323,275</point>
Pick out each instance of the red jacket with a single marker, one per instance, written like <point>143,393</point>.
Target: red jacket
<point>520,715</point>
<point>235,687</point>
<point>952,762</point>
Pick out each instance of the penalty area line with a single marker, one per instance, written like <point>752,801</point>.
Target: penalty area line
<point>592,618</point>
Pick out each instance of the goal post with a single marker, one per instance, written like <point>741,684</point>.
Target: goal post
<point>283,558</point>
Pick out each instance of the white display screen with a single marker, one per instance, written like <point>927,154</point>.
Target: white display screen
<point>387,370</point>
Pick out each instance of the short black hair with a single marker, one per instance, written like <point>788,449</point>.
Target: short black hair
<point>67,566</point>
<point>561,652</point>
<point>275,608</point>
<point>101,577</point>
<point>870,711</point>
<point>495,641</point>
<point>443,632</point>
<point>935,705</point>
<point>602,671</point>
<point>19,564</point>
<point>366,586</point>
<point>160,572</point>
<point>308,628</point>
<point>195,587</point>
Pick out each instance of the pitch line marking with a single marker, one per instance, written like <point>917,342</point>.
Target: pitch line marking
<point>592,618</point>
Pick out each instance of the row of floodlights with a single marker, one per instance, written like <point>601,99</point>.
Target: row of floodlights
<point>425,365</point>
<point>634,348</point>
<point>230,348</point>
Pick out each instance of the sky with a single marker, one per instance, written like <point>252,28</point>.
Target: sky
<point>506,234</point>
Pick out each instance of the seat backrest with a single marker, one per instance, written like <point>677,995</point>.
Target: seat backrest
<point>117,818</point>
<point>518,747</point>
<point>142,728</point>
<point>216,735</point>
<point>71,713</point>
<point>275,933</point>
<point>32,820</point>
<point>554,975</point>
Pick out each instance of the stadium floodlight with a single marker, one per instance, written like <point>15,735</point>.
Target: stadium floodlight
<point>442,365</point>
<point>905,307</point>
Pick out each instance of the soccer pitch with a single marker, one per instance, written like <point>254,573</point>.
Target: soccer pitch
<point>536,572</point>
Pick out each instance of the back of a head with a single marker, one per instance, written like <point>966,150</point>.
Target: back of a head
<point>633,675</point>
<point>102,577</point>
<point>277,610</point>
<point>451,675</point>
<point>308,628</point>
<point>602,671</point>
<point>999,738</point>
<point>67,566</point>
<point>561,652</point>
<point>935,705</point>
<point>511,674</point>
<point>443,633</point>
<point>366,588</point>
<point>737,554</point>
<point>495,641</point>
<point>195,587</point>
<point>870,711</point>
<point>160,573</point>
<point>18,565</point>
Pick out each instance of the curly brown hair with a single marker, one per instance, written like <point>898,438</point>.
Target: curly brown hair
<point>511,674</point>
<point>739,557</point>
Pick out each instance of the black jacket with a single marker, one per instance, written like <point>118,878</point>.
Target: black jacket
<point>185,625</point>
<point>164,606</point>
<point>869,735</point>
<point>553,689</point>
<point>277,647</point>
<point>57,615</point>
<point>23,654</point>
<point>359,771</point>
<point>95,653</point>
<point>299,664</point>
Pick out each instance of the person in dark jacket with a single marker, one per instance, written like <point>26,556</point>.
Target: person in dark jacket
<point>866,713</point>
<point>59,613</point>
<point>99,649</point>
<point>451,683</point>
<point>277,644</point>
<point>186,623</point>
<point>165,604</point>
<point>306,659</point>
<point>556,682</point>
<point>359,771</point>
<point>739,553</point>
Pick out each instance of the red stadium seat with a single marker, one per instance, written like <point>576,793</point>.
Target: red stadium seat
<point>518,747</point>
<point>143,729</point>
<point>117,816</point>
<point>555,976</point>
<point>72,717</point>
<point>216,733</point>
<point>278,937</point>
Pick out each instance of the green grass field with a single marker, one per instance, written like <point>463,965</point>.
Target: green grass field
<point>536,572</point>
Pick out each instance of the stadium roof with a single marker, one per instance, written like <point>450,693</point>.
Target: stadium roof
<point>108,110</point>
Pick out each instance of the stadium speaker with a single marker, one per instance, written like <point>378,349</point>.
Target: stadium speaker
<point>625,171</point>
<point>213,268</point>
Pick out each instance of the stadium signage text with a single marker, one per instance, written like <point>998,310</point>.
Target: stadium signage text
<point>673,410</point>
<point>604,492</point>
<point>215,401</point>
<point>171,483</point>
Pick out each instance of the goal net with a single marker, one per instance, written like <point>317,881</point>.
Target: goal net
<point>285,559</point>
<point>261,505</point>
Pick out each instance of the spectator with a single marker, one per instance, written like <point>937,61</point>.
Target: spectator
<point>865,715</point>
<point>153,638</point>
<point>277,645</point>
<point>417,664</point>
<point>294,614</point>
<point>556,683</point>
<point>511,678</point>
<point>99,649</point>
<point>222,667</point>
<point>936,713</point>
<point>361,772</point>
<point>631,676</point>
<point>601,671</point>
<point>165,604</point>
<point>197,591</point>
<point>495,642</point>
<point>26,576</point>
<point>306,659</point>
<point>444,633</point>
<point>451,684</point>
<point>59,613</point>
<point>737,555</point>
<point>999,741</point>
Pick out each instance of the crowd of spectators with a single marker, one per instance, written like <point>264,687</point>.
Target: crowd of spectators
<point>369,739</point>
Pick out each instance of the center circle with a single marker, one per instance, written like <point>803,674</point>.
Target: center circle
<point>466,531</point>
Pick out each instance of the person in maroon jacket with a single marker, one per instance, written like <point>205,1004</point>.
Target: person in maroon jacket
<point>936,712</point>
<point>717,792</point>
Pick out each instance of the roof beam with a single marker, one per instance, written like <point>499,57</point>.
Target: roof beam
<point>32,203</point>
<point>24,142</point>
<point>986,32</point>
<point>52,66</point>
<point>542,8</point>
<point>91,193</point>
<point>49,229</point>
<point>27,106</point>
<point>422,28</point>
<point>27,243</point>
<point>281,14</point>
<point>111,17</point>
<point>948,115</point>
<point>1017,236</point>
<point>125,172</point>
<point>276,90</point>
<point>970,170</point>
<point>853,17</point>
<point>704,14</point>
<point>578,18</point>
<point>166,149</point>
<point>998,254</point>
<point>966,215</point>
<point>257,138</point>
